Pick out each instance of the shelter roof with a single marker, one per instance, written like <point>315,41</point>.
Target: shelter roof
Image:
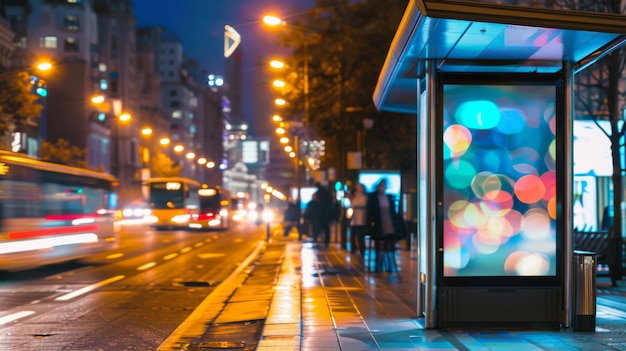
<point>482,36</point>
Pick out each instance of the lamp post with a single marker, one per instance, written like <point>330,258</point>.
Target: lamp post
<point>296,128</point>
<point>121,119</point>
<point>296,125</point>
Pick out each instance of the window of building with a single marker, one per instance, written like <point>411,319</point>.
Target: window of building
<point>75,2</point>
<point>104,85</point>
<point>113,86</point>
<point>48,42</point>
<point>133,152</point>
<point>174,104</point>
<point>178,114</point>
<point>171,73</point>
<point>114,48</point>
<point>173,93</point>
<point>71,45</point>
<point>71,22</point>
<point>102,67</point>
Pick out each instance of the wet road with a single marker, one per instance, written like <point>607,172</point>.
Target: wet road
<point>131,298</point>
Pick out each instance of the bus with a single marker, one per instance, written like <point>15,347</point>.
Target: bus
<point>214,209</point>
<point>172,201</point>
<point>50,213</point>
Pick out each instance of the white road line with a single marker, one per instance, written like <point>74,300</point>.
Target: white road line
<point>146,266</point>
<point>15,316</point>
<point>170,256</point>
<point>196,316</point>
<point>114,256</point>
<point>89,288</point>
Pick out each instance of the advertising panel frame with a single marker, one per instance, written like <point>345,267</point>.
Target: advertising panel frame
<point>461,297</point>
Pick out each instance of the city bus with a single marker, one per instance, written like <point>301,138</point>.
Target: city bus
<point>51,213</point>
<point>172,201</point>
<point>214,209</point>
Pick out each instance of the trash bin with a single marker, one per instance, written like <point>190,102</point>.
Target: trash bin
<point>584,299</point>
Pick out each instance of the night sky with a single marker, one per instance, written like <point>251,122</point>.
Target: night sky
<point>199,24</point>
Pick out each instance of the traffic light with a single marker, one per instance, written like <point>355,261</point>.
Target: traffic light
<point>40,86</point>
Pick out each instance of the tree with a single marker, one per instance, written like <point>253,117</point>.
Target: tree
<point>18,103</point>
<point>163,166</point>
<point>346,44</point>
<point>64,153</point>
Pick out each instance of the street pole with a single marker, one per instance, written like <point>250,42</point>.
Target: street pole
<point>343,157</point>
<point>298,178</point>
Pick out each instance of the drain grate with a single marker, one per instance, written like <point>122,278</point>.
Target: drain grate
<point>199,283</point>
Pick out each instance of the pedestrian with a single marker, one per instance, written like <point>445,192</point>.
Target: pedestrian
<point>311,215</point>
<point>358,222</point>
<point>325,213</point>
<point>386,225</point>
<point>291,218</point>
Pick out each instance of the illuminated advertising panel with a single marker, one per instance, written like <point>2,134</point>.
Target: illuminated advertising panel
<point>306,194</point>
<point>369,179</point>
<point>499,180</point>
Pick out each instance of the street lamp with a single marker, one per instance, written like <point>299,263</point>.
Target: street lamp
<point>121,119</point>
<point>146,131</point>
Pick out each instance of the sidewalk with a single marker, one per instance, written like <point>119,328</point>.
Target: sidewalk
<point>325,301</point>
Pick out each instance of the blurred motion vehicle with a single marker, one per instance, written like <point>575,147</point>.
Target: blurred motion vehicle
<point>138,209</point>
<point>172,201</point>
<point>240,206</point>
<point>51,212</point>
<point>214,209</point>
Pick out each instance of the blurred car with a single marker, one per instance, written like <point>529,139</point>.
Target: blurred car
<point>137,209</point>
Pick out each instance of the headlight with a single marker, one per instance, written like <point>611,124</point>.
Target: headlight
<point>181,218</point>
<point>268,215</point>
<point>253,215</point>
<point>150,219</point>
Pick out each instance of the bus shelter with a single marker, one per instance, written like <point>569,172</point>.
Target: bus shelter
<point>492,88</point>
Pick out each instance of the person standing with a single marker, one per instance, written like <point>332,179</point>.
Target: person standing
<point>291,218</point>
<point>358,222</point>
<point>325,213</point>
<point>386,225</point>
<point>311,213</point>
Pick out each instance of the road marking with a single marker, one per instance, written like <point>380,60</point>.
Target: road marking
<point>114,256</point>
<point>185,250</point>
<point>15,316</point>
<point>211,255</point>
<point>89,288</point>
<point>170,256</point>
<point>146,266</point>
<point>194,324</point>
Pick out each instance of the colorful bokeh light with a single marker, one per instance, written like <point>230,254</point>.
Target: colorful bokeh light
<point>499,195</point>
